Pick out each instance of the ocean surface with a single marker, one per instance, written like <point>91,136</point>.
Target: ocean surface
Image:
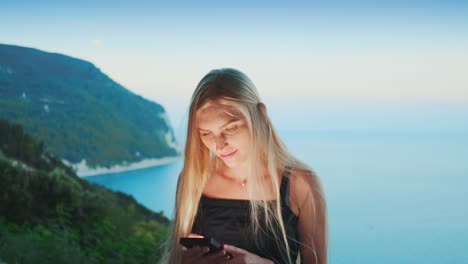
<point>392,197</point>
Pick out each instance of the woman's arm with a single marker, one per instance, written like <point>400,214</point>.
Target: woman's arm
<point>310,202</point>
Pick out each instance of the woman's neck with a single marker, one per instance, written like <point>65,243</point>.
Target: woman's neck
<point>238,173</point>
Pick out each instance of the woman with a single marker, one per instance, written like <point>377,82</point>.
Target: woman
<point>241,186</point>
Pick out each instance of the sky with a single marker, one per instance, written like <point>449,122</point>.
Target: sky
<point>296,52</point>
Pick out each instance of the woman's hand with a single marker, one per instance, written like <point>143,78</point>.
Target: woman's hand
<point>198,254</point>
<point>195,235</point>
<point>201,255</point>
<point>241,256</point>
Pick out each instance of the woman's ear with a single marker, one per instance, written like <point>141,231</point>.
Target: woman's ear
<point>263,110</point>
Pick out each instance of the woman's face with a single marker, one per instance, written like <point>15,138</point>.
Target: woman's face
<point>224,132</point>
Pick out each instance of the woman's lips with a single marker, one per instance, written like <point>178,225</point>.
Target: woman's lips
<point>229,154</point>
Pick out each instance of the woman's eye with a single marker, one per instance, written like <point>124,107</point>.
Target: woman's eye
<point>206,134</point>
<point>231,129</point>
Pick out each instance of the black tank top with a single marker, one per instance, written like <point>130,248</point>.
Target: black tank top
<point>228,221</point>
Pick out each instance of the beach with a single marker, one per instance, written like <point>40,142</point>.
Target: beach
<point>82,169</point>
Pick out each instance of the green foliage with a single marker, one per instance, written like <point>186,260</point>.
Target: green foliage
<point>50,215</point>
<point>77,111</point>
<point>18,144</point>
<point>26,244</point>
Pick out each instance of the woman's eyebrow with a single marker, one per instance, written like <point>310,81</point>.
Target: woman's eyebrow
<point>227,123</point>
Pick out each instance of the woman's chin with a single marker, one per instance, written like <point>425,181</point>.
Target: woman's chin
<point>231,163</point>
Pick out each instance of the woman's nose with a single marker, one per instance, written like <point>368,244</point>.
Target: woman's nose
<point>220,142</point>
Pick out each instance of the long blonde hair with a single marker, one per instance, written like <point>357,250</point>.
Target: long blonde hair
<point>230,87</point>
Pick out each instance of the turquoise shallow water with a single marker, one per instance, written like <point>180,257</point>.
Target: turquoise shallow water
<point>153,187</point>
<point>392,198</point>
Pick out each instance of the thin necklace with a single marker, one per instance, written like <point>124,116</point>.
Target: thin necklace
<point>244,182</point>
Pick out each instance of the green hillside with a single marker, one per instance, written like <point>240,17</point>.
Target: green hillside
<point>79,112</point>
<point>50,215</point>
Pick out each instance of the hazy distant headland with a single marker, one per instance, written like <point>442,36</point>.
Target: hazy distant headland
<point>81,115</point>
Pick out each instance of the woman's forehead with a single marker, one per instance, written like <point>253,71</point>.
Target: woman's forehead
<point>216,113</point>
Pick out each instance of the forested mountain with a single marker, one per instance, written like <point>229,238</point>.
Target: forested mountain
<point>50,215</point>
<point>79,112</point>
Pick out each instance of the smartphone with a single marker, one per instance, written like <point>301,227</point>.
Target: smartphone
<point>212,243</point>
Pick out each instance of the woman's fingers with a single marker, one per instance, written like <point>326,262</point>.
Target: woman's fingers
<point>195,252</point>
<point>237,255</point>
<point>199,254</point>
<point>194,235</point>
<point>241,256</point>
<point>216,257</point>
<point>233,250</point>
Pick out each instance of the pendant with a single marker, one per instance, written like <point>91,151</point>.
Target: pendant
<point>243,182</point>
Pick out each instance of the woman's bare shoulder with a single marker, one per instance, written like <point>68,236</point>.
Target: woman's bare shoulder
<point>304,184</point>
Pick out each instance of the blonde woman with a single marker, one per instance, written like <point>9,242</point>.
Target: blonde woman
<point>240,185</point>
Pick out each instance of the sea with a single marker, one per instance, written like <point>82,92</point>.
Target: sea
<point>392,197</point>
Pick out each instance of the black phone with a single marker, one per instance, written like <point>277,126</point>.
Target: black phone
<point>210,242</point>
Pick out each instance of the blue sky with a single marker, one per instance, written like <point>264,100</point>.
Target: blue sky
<point>391,50</point>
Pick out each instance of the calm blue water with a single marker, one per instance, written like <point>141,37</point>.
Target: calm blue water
<point>392,198</point>
<point>153,187</point>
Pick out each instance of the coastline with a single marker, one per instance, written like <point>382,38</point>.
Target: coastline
<point>82,170</point>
